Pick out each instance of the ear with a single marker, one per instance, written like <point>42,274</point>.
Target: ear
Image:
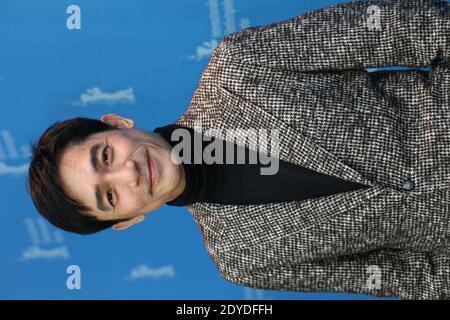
<point>126,224</point>
<point>117,121</point>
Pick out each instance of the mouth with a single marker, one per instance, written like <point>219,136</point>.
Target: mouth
<point>150,173</point>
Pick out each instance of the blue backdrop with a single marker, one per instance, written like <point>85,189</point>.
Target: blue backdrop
<point>139,59</point>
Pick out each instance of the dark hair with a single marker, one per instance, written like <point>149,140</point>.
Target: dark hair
<point>44,182</point>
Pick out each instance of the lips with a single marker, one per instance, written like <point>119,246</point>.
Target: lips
<point>149,174</point>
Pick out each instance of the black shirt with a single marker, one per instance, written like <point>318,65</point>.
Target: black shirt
<point>236,183</point>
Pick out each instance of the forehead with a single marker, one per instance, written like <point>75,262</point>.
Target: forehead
<point>77,156</point>
<point>79,151</point>
<point>76,172</point>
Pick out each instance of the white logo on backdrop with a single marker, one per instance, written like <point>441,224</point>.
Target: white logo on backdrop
<point>45,244</point>
<point>9,151</point>
<point>96,95</point>
<point>229,18</point>
<point>255,294</point>
<point>144,271</point>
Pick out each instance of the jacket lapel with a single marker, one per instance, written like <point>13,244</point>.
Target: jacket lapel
<point>294,147</point>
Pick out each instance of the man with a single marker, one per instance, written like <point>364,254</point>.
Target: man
<point>305,77</point>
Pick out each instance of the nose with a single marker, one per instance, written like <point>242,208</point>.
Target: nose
<point>127,174</point>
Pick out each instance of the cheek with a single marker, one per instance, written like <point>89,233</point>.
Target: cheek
<point>124,146</point>
<point>131,202</point>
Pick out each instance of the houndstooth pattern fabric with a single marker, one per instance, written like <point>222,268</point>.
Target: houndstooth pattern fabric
<point>389,130</point>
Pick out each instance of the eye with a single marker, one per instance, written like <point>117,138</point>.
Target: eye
<point>107,161</point>
<point>109,198</point>
<point>107,156</point>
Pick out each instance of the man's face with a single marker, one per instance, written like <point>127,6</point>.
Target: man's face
<point>122,174</point>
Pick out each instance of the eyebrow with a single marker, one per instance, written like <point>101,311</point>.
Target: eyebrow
<point>94,163</point>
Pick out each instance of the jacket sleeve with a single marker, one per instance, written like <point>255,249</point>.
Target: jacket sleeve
<point>347,36</point>
<point>382,272</point>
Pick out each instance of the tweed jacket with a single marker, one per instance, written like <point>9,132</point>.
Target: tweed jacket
<point>306,77</point>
